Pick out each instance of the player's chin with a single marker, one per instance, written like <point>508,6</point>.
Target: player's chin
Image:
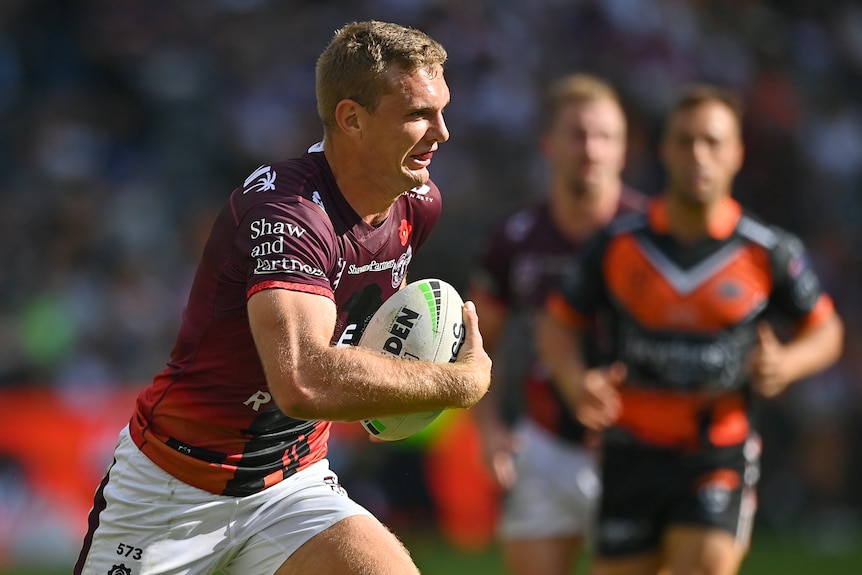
<point>698,194</point>
<point>418,176</point>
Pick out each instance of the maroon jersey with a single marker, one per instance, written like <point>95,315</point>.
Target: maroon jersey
<point>209,418</point>
<point>524,260</point>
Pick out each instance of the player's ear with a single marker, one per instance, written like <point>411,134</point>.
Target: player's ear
<point>347,114</point>
<point>740,156</point>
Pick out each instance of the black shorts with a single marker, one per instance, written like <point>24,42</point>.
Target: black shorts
<point>647,489</point>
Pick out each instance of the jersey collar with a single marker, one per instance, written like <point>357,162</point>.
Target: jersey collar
<point>720,226</point>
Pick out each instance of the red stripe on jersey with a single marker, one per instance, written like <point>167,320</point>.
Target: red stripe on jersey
<point>292,286</point>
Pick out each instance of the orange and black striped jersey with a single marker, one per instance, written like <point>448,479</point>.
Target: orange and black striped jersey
<point>525,257</point>
<point>684,317</point>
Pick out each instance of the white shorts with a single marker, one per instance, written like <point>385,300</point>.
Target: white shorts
<point>156,524</point>
<point>557,490</point>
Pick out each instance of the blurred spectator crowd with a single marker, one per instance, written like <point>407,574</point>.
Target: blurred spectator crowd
<point>125,124</point>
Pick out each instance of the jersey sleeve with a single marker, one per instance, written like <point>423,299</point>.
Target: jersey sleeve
<point>492,274</point>
<point>797,292</point>
<point>287,244</point>
<point>581,291</point>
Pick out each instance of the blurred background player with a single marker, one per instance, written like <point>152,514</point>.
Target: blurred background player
<point>540,457</point>
<point>695,290</point>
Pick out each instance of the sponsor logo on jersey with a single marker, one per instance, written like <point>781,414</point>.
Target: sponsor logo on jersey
<point>372,266</point>
<point>729,290</point>
<point>286,265</point>
<point>120,569</point>
<point>420,193</point>
<point>260,180</point>
<point>685,363</point>
<point>398,267</point>
<point>399,271</point>
<point>274,245</point>
<point>263,227</point>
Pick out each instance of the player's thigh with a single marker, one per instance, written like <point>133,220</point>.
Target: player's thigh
<point>357,545</point>
<point>546,556</point>
<point>702,551</point>
<point>556,491</point>
<point>639,484</point>
<point>276,523</point>
<point>145,521</point>
<point>710,526</point>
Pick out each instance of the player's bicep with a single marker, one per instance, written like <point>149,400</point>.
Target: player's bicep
<point>291,330</point>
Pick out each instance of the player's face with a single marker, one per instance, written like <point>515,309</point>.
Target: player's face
<point>586,146</point>
<point>702,152</point>
<point>404,129</point>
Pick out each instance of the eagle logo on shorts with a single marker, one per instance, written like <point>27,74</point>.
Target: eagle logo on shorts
<point>120,569</point>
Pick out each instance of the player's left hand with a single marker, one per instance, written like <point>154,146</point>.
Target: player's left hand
<point>766,363</point>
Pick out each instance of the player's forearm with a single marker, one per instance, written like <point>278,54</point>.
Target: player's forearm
<point>815,349</point>
<point>347,384</point>
<point>558,348</point>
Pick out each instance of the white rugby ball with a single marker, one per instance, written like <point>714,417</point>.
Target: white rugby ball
<point>422,321</point>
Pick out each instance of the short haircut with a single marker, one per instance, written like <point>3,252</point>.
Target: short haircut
<point>355,63</point>
<point>695,95</point>
<point>578,88</point>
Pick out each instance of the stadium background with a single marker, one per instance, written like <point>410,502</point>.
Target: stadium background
<point>123,125</point>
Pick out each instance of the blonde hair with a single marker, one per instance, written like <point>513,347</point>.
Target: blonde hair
<point>355,63</point>
<point>578,88</point>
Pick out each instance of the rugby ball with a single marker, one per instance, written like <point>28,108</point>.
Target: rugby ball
<point>422,321</point>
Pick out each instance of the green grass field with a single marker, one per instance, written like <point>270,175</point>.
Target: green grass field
<point>770,555</point>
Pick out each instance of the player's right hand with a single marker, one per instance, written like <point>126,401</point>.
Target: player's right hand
<point>598,400</point>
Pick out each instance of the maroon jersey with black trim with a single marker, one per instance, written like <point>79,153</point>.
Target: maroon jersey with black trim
<point>209,418</point>
<point>525,258</point>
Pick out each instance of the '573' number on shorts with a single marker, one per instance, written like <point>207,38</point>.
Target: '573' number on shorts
<point>129,551</point>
